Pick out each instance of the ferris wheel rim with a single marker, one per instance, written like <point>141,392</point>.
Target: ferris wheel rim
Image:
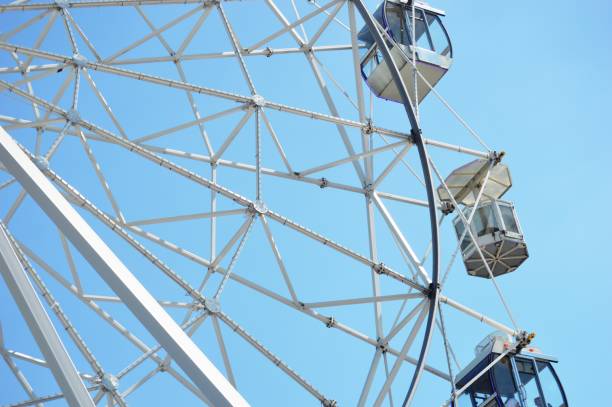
<point>433,210</point>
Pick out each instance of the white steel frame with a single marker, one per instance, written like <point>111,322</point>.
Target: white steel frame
<point>53,194</point>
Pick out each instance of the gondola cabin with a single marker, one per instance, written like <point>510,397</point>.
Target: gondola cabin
<point>499,236</point>
<point>431,46</point>
<point>524,379</point>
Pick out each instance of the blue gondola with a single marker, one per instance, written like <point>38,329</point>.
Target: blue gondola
<point>433,50</point>
<point>523,379</point>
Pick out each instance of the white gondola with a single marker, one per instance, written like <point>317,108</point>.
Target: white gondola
<point>495,225</point>
<point>432,48</point>
<point>498,235</point>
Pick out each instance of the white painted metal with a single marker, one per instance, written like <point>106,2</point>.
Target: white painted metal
<point>40,325</point>
<point>375,161</point>
<point>187,355</point>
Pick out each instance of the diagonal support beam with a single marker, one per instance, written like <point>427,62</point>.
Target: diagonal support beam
<point>40,325</point>
<point>141,303</point>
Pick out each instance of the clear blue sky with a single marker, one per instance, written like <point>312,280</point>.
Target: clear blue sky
<point>539,83</point>
<point>533,79</point>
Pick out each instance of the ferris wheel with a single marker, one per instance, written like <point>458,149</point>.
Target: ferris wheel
<point>237,203</point>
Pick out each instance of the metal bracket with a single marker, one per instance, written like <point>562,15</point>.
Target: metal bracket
<point>258,101</point>
<point>447,207</point>
<point>379,268</point>
<point>496,156</point>
<point>212,305</point>
<point>109,382</point>
<point>79,61</point>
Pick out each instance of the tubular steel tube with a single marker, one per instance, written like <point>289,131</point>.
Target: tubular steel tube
<point>433,216</point>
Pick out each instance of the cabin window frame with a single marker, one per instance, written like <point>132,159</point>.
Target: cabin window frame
<point>424,13</point>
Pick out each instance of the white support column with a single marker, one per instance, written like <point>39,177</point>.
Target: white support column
<point>40,325</point>
<point>142,304</point>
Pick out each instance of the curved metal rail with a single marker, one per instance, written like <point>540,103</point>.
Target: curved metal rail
<point>433,216</point>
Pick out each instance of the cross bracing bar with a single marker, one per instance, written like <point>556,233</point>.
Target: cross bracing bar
<point>79,200</point>
<point>241,200</point>
<point>251,340</point>
<point>64,320</point>
<point>44,399</point>
<point>289,27</point>
<point>200,89</point>
<point>266,52</point>
<point>106,317</point>
<point>273,358</point>
<point>31,68</point>
<point>321,182</point>
<point>39,362</point>
<point>21,379</point>
<point>262,349</point>
<point>40,325</point>
<point>102,3</point>
<point>197,296</point>
<point>23,25</point>
<point>146,309</point>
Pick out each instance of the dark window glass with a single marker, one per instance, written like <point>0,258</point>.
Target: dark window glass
<point>481,392</point>
<point>504,383</point>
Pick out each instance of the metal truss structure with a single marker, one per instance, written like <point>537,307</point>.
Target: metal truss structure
<point>210,124</point>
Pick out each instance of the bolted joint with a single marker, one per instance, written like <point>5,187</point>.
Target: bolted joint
<point>324,183</point>
<point>258,208</point>
<point>109,382</point>
<point>79,61</point>
<point>382,346</point>
<point>379,268</point>
<point>447,207</point>
<point>163,367</point>
<point>305,48</point>
<point>212,305</point>
<point>329,403</point>
<point>258,101</point>
<point>432,289</point>
<point>368,190</point>
<point>368,129</point>
<point>42,163</point>
<point>331,321</point>
<point>73,116</point>
<point>61,4</point>
<point>416,134</point>
<point>268,52</point>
